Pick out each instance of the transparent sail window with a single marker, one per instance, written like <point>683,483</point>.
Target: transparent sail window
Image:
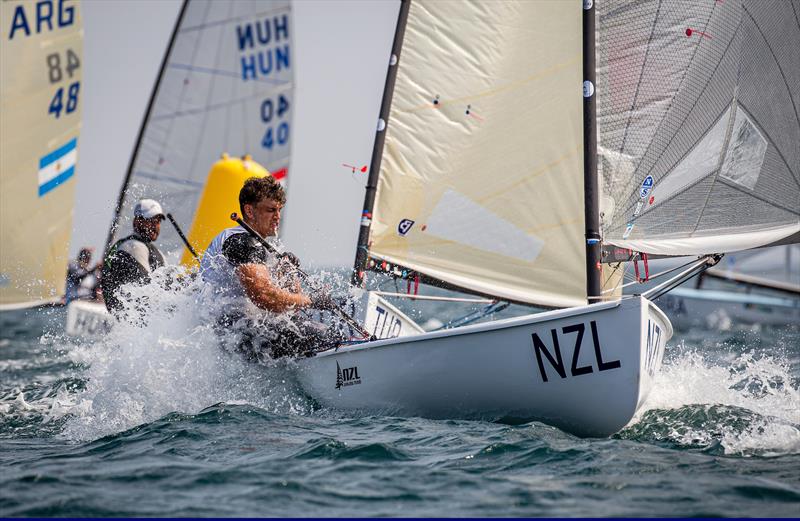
<point>745,153</point>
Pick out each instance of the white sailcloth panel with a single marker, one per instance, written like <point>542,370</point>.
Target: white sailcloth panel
<point>227,87</point>
<point>481,182</point>
<point>699,123</point>
<point>41,64</point>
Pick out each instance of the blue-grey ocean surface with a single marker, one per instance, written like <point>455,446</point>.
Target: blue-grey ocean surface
<point>160,422</point>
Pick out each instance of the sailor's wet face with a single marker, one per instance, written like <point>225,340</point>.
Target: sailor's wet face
<point>264,217</point>
<point>149,229</point>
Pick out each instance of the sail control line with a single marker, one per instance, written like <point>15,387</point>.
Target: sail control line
<point>696,267</point>
<point>338,310</point>
<point>183,237</point>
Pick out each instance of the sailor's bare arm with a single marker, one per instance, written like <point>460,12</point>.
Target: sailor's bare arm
<point>262,291</point>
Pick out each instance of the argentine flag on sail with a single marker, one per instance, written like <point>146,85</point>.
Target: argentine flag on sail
<point>57,166</point>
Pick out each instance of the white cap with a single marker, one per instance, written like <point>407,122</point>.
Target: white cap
<point>148,208</point>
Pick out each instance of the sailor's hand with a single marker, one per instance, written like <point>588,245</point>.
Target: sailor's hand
<point>320,300</point>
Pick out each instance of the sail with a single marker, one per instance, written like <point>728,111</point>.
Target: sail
<point>40,112</point>
<point>481,178</point>
<point>226,86</point>
<point>699,123</point>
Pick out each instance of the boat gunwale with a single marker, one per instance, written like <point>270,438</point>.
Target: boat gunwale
<point>532,318</point>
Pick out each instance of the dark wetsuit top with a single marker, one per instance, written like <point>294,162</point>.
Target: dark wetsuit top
<point>242,248</point>
<point>121,267</point>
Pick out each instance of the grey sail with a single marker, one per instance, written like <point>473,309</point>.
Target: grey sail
<point>699,123</point>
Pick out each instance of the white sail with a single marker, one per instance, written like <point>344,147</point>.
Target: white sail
<point>481,181</point>
<point>699,124</point>
<point>40,113</point>
<point>226,87</point>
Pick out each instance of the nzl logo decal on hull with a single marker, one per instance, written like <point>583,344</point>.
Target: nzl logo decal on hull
<point>347,376</point>
<point>555,359</point>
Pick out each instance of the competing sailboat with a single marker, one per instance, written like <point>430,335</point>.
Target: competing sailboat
<point>492,174</point>
<point>40,116</point>
<point>225,87</point>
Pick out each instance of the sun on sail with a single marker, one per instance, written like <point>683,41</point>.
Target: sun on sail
<point>40,116</point>
<point>225,86</point>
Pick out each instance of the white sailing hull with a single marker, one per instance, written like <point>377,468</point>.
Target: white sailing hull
<point>586,370</point>
<point>88,319</point>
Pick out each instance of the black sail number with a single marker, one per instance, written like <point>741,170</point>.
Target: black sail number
<point>551,353</point>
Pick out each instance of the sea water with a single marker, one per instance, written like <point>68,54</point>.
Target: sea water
<point>159,421</point>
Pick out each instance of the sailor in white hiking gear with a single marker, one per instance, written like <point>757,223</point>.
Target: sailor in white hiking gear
<point>243,272</point>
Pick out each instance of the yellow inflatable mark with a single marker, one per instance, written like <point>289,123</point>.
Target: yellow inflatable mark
<point>220,198</point>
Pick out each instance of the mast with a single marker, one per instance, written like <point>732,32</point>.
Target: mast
<point>150,103</point>
<point>377,150</point>
<point>590,182</point>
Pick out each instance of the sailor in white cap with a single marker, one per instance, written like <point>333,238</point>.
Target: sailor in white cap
<point>133,258</point>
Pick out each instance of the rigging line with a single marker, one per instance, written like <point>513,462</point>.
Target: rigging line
<point>469,318</point>
<point>226,133</point>
<point>203,126</point>
<point>614,270</point>
<point>233,19</point>
<point>688,112</point>
<point>242,106</point>
<point>659,274</point>
<point>780,69</point>
<point>243,117</point>
<point>436,298</point>
<point>699,266</point>
<point>221,72</point>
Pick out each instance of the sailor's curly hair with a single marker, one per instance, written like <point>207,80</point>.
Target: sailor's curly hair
<point>256,189</point>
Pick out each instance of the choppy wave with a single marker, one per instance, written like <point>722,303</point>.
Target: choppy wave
<point>726,398</point>
<point>163,409</point>
<point>138,374</point>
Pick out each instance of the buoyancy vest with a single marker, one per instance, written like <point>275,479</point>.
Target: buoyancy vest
<point>121,266</point>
